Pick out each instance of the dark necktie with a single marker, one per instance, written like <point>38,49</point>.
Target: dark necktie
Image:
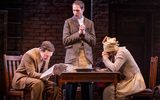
<point>42,67</point>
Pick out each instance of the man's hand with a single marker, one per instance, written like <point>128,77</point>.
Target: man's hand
<point>59,68</point>
<point>81,29</point>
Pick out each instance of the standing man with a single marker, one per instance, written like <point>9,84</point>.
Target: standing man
<point>78,39</point>
<point>34,62</point>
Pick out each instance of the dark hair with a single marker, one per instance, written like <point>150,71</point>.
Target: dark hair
<point>80,3</point>
<point>47,45</point>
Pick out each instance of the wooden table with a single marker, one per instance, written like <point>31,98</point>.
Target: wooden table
<point>89,77</point>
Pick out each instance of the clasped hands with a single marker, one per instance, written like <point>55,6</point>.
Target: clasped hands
<point>81,29</point>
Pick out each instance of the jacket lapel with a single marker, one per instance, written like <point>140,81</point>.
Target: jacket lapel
<point>75,21</point>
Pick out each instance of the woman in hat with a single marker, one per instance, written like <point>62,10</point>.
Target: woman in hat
<point>119,59</point>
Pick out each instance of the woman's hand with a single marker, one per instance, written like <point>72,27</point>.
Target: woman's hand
<point>105,54</point>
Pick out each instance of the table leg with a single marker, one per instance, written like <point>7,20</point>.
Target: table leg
<point>60,94</point>
<point>115,91</point>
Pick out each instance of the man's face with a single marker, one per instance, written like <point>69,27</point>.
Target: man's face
<point>46,54</point>
<point>77,11</point>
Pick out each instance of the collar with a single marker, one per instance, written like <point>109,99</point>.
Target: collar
<point>81,21</point>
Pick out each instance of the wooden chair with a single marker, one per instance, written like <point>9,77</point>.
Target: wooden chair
<point>148,92</point>
<point>11,62</point>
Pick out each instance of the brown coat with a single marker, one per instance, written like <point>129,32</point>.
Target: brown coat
<point>29,67</point>
<point>72,41</point>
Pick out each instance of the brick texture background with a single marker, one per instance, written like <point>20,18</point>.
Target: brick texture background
<point>43,20</point>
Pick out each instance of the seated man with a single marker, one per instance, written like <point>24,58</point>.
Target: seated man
<point>120,59</point>
<point>34,62</point>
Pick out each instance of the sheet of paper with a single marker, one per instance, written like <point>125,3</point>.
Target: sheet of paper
<point>69,68</point>
<point>59,68</point>
<point>48,72</point>
<point>55,69</point>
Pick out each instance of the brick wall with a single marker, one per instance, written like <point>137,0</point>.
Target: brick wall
<point>43,20</point>
<point>101,20</point>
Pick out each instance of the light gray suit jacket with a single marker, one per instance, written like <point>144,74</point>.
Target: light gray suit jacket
<point>72,41</point>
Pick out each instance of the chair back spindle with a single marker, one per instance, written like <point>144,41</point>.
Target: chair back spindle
<point>11,63</point>
<point>153,72</point>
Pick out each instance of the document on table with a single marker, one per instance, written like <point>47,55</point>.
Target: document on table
<point>51,71</point>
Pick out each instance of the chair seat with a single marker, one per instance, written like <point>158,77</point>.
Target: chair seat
<point>145,92</point>
<point>15,92</point>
